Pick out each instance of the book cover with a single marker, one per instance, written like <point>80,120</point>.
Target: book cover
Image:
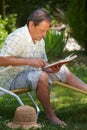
<point>61,62</point>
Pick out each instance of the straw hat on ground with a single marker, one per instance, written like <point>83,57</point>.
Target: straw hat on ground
<point>25,117</point>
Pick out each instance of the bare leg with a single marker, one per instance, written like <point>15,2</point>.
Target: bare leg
<point>75,81</point>
<point>44,97</point>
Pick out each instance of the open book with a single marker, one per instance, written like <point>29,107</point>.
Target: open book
<point>61,62</point>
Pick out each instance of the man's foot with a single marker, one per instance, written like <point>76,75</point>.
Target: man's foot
<point>56,120</point>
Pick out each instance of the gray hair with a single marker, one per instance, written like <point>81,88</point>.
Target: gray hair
<point>38,16</point>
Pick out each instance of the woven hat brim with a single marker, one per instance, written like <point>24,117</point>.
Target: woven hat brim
<point>15,126</point>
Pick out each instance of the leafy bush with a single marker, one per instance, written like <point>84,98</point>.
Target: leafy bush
<point>6,26</point>
<point>3,32</point>
<point>78,21</point>
<point>55,43</point>
<point>11,21</point>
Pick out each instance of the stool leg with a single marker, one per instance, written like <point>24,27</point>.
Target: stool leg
<point>36,106</point>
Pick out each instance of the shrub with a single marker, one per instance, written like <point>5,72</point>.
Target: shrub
<point>6,26</point>
<point>3,32</point>
<point>77,20</point>
<point>11,21</point>
<point>55,43</point>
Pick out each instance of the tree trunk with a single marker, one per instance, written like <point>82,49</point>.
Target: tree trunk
<point>3,11</point>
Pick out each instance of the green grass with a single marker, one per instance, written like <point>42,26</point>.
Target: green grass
<point>69,105</point>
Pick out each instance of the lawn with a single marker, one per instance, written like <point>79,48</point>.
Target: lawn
<point>69,105</point>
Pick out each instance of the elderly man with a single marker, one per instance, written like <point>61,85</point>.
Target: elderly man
<point>22,60</point>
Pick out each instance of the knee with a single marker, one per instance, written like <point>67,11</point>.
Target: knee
<point>43,77</point>
<point>43,83</point>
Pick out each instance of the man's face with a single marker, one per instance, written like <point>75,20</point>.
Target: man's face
<point>39,31</point>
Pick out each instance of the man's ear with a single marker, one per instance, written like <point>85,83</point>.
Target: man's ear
<point>31,25</point>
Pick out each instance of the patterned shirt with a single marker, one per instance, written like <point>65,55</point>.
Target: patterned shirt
<point>20,44</point>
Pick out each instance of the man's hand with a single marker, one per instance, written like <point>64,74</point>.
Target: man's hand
<point>53,69</point>
<point>38,63</point>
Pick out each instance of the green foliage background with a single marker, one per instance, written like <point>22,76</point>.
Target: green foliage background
<point>55,42</point>
<point>23,8</point>
<point>77,20</point>
<point>3,31</point>
<point>7,25</point>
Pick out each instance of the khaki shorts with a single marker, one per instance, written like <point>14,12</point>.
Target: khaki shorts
<point>30,79</point>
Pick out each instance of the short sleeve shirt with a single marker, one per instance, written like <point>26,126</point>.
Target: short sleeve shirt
<point>20,44</point>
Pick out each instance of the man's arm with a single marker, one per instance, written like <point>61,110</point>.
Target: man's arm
<point>14,61</point>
